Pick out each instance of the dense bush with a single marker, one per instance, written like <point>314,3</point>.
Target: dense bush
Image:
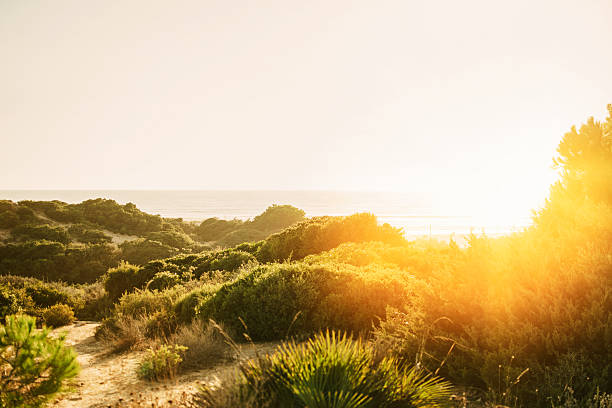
<point>140,315</point>
<point>88,300</point>
<point>329,370</point>
<point>285,299</point>
<point>324,233</point>
<point>277,218</point>
<point>233,232</point>
<point>12,215</point>
<point>240,236</point>
<point>172,239</point>
<point>34,365</point>
<point>213,229</point>
<point>163,280</point>
<point>82,233</point>
<point>185,307</point>
<point>8,219</point>
<point>55,261</point>
<point>13,301</point>
<point>58,315</point>
<point>45,295</point>
<point>161,363</point>
<point>122,279</point>
<point>140,251</point>
<point>41,232</point>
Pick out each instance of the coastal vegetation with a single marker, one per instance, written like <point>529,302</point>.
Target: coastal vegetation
<point>362,316</point>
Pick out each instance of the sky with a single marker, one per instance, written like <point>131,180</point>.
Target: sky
<point>463,99</point>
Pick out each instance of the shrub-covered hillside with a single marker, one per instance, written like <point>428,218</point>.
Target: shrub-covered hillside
<point>52,240</point>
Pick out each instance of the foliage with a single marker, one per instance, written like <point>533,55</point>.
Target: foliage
<point>88,300</point>
<point>82,233</point>
<point>34,365</point>
<point>41,232</point>
<point>55,261</point>
<point>329,370</point>
<point>233,232</point>
<point>324,233</point>
<point>161,363</point>
<point>187,304</point>
<point>277,217</point>
<point>171,238</point>
<point>122,279</point>
<point>140,251</point>
<point>240,236</point>
<point>213,229</point>
<point>45,295</point>
<point>13,301</point>
<point>280,299</point>
<point>163,280</point>
<point>8,219</point>
<point>58,315</point>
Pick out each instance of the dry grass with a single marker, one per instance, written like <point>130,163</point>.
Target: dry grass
<point>127,334</point>
<point>206,345</point>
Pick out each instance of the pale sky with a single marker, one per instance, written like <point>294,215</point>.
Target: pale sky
<point>468,97</point>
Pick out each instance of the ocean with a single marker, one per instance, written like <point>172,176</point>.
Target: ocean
<point>417,214</point>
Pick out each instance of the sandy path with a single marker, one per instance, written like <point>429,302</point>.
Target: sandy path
<point>106,379</point>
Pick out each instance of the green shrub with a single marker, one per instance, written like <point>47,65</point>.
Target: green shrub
<point>240,236</point>
<point>83,233</point>
<point>276,218</point>
<point>185,307</point>
<point>163,280</point>
<point>227,261</point>
<point>213,229</point>
<point>161,363</point>
<point>150,314</point>
<point>41,232</point>
<point>55,261</point>
<point>34,365</point>
<point>140,251</point>
<point>13,301</point>
<point>58,315</point>
<point>280,299</point>
<point>145,302</point>
<point>122,279</point>
<point>8,219</point>
<point>44,295</point>
<point>88,301</point>
<point>329,370</point>
<point>172,239</point>
<point>324,233</point>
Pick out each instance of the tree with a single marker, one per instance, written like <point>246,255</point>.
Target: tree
<point>33,364</point>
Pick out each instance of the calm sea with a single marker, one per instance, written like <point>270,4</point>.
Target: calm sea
<point>417,214</point>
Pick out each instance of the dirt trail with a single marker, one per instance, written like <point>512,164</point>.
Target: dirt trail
<point>106,379</point>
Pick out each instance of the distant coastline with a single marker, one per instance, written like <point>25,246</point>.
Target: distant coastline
<point>416,214</point>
